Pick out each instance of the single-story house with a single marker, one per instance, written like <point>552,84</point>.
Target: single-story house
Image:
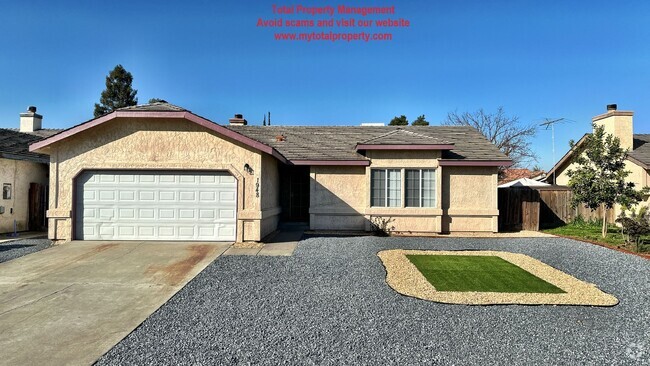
<point>619,124</point>
<point>24,175</point>
<point>161,172</point>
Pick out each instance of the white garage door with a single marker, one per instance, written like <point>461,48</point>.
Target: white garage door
<point>140,205</point>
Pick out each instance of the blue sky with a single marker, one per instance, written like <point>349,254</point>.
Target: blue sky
<point>537,59</point>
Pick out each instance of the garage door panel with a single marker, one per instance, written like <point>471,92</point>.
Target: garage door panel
<point>225,196</point>
<point>123,205</point>
<point>147,178</point>
<point>226,230</point>
<point>147,231</point>
<point>106,231</point>
<point>184,196</point>
<point>147,213</point>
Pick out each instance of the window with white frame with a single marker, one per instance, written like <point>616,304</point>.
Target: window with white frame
<point>420,186</point>
<point>386,188</point>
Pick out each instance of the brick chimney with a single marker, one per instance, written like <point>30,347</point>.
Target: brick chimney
<point>617,123</point>
<point>30,121</point>
<point>238,120</point>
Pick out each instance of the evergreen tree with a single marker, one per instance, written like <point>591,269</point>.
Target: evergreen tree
<point>420,121</point>
<point>399,121</point>
<point>118,92</point>
<point>157,100</point>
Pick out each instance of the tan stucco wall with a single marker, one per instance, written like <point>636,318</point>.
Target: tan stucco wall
<point>619,124</point>
<point>337,198</point>
<point>561,176</point>
<point>469,199</point>
<point>640,177</point>
<point>20,174</point>
<point>269,186</point>
<point>159,144</point>
<point>410,220</point>
<point>340,197</point>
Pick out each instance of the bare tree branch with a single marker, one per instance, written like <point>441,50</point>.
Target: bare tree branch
<point>506,132</point>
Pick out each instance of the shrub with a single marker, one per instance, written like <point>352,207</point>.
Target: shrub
<point>381,225</point>
<point>635,226</point>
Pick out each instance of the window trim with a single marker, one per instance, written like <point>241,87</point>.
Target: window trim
<point>403,189</point>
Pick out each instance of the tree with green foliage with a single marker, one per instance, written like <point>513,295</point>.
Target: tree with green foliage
<point>598,180</point>
<point>420,121</point>
<point>399,121</point>
<point>157,100</point>
<point>118,92</point>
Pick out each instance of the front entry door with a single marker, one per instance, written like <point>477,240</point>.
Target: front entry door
<point>294,193</point>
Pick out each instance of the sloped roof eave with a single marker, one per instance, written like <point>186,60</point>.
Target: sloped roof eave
<point>404,147</point>
<point>473,162</point>
<point>638,162</point>
<point>566,157</point>
<point>156,114</point>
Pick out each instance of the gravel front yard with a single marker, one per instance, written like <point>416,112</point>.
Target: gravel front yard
<point>329,304</point>
<point>15,249</point>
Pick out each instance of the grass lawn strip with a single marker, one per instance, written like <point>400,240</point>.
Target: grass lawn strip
<point>404,277</point>
<point>486,273</point>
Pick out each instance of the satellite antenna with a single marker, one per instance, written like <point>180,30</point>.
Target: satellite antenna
<point>550,122</point>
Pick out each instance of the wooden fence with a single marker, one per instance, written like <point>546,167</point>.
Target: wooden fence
<point>532,208</point>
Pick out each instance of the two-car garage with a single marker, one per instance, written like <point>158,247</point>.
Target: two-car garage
<point>154,205</point>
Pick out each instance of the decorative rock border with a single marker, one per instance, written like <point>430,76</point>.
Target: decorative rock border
<point>406,279</point>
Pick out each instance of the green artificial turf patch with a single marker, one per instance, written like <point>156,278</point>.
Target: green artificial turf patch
<point>478,273</point>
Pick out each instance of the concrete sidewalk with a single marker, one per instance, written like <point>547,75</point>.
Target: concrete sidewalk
<point>281,244</point>
<point>71,303</point>
<point>6,238</point>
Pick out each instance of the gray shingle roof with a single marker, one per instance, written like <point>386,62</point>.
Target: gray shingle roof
<point>404,137</point>
<point>641,149</point>
<point>154,107</point>
<point>339,142</point>
<point>15,144</point>
<point>42,133</point>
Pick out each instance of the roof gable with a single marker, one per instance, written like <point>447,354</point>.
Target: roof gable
<point>404,140</point>
<point>156,110</point>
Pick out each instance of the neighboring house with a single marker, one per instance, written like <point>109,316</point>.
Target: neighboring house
<point>20,169</point>
<point>512,174</point>
<point>524,182</point>
<point>620,124</point>
<point>160,172</point>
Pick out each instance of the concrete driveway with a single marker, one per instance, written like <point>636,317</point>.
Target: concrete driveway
<point>71,303</point>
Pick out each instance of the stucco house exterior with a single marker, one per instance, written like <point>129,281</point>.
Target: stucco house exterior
<point>619,124</point>
<point>22,171</point>
<point>161,172</point>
